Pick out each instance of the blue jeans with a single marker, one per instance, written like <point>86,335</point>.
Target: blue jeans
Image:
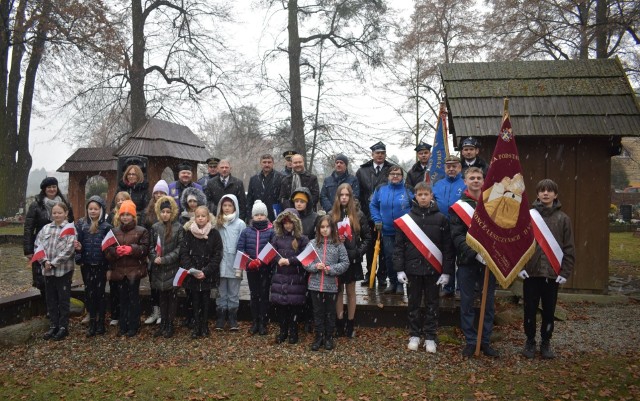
<point>388,243</point>
<point>467,278</point>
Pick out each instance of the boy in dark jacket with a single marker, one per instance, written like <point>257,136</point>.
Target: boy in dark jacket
<point>546,270</point>
<point>424,227</point>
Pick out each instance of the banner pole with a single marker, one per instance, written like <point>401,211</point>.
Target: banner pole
<point>482,306</point>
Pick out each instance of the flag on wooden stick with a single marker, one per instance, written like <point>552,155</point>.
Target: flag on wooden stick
<point>501,230</point>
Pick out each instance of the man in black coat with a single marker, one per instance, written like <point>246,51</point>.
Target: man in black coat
<point>370,175</point>
<point>212,171</point>
<point>469,149</point>
<point>265,186</point>
<point>288,166</point>
<point>225,184</point>
<point>418,172</point>
<point>298,178</point>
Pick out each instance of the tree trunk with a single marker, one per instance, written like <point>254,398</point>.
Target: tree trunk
<point>136,70</point>
<point>295,88</point>
<point>583,49</point>
<point>601,29</point>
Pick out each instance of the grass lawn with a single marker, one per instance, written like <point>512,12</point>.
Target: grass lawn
<point>601,377</point>
<point>12,229</point>
<point>624,254</point>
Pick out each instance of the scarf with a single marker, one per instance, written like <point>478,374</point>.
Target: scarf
<point>260,225</point>
<point>50,203</point>
<point>228,218</point>
<point>200,233</point>
<point>295,182</point>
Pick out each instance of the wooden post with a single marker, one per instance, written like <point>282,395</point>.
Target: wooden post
<point>485,286</point>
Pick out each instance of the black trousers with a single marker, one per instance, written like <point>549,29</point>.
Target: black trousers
<point>95,280</point>
<point>168,301</point>
<point>129,291</point>
<point>324,312</point>
<point>259,283</point>
<point>288,315</point>
<point>58,293</point>
<point>114,297</point>
<point>422,288</point>
<point>536,289</point>
<point>201,301</point>
<point>381,272</point>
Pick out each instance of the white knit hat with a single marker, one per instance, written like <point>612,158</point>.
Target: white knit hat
<point>258,208</point>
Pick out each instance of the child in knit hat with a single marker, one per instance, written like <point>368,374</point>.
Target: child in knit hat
<point>252,240</point>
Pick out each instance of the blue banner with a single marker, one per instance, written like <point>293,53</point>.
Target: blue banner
<point>440,149</point>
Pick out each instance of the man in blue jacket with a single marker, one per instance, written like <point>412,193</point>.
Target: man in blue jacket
<point>448,191</point>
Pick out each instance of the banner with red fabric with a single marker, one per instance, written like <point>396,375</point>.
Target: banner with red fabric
<point>501,230</point>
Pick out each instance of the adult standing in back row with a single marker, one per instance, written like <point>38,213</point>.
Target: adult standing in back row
<point>370,175</point>
<point>225,184</point>
<point>339,176</point>
<point>299,178</point>
<point>265,186</point>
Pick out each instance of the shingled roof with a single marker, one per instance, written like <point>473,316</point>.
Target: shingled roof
<point>161,138</point>
<point>91,159</point>
<point>546,98</point>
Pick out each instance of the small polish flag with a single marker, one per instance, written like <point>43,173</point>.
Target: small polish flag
<point>267,253</point>
<point>68,229</point>
<point>39,254</point>
<point>240,263</point>
<point>158,247</point>
<point>180,276</point>
<point>308,255</point>
<point>109,240</point>
<point>344,228</point>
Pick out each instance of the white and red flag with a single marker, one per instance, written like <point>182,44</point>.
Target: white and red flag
<point>158,247</point>
<point>501,229</point>
<point>267,254</point>
<point>68,229</point>
<point>344,228</point>
<point>180,276</point>
<point>38,254</point>
<point>308,255</point>
<point>108,240</point>
<point>546,240</point>
<point>241,260</point>
<point>420,240</point>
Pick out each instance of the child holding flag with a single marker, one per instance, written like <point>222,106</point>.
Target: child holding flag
<point>200,254</point>
<point>549,267</point>
<point>166,235</point>
<point>57,268</point>
<point>128,266</point>
<point>356,239</point>
<point>94,266</point>
<point>288,286</point>
<point>330,261</point>
<point>230,226</point>
<point>424,259</point>
<point>114,297</point>
<point>253,240</point>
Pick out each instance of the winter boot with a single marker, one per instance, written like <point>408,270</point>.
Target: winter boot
<point>340,323</point>
<point>254,329</point>
<point>50,333</point>
<point>545,350</point>
<point>62,333</point>
<point>293,333</point>
<point>204,328</point>
<point>91,329</point>
<point>220,318</point>
<point>284,327</point>
<point>195,331</point>
<point>529,350</point>
<point>100,330</point>
<point>328,342</point>
<point>159,331</point>
<point>349,330</point>
<point>233,319</point>
<point>169,330</point>
<point>317,342</point>
<point>155,315</point>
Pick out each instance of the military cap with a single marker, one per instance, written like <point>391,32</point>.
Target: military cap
<point>422,146</point>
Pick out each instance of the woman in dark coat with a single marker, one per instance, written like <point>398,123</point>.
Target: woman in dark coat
<point>345,207</point>
<point>134,184</point>
<point>38,216</point>
<point>288,286</point>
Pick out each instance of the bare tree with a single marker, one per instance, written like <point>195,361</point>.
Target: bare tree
<point>33,34</point>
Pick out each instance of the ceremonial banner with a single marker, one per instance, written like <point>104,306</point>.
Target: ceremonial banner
<point>440,149</point>
<point>501,230</point>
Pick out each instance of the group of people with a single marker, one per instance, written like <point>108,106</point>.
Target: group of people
<point>190,234</point>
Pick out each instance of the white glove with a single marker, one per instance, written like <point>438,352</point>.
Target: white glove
<point>561,280</point>
<point>443,280</point>
<point>402,278</point>
<point>523,274</point>
<point>480,259</point>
